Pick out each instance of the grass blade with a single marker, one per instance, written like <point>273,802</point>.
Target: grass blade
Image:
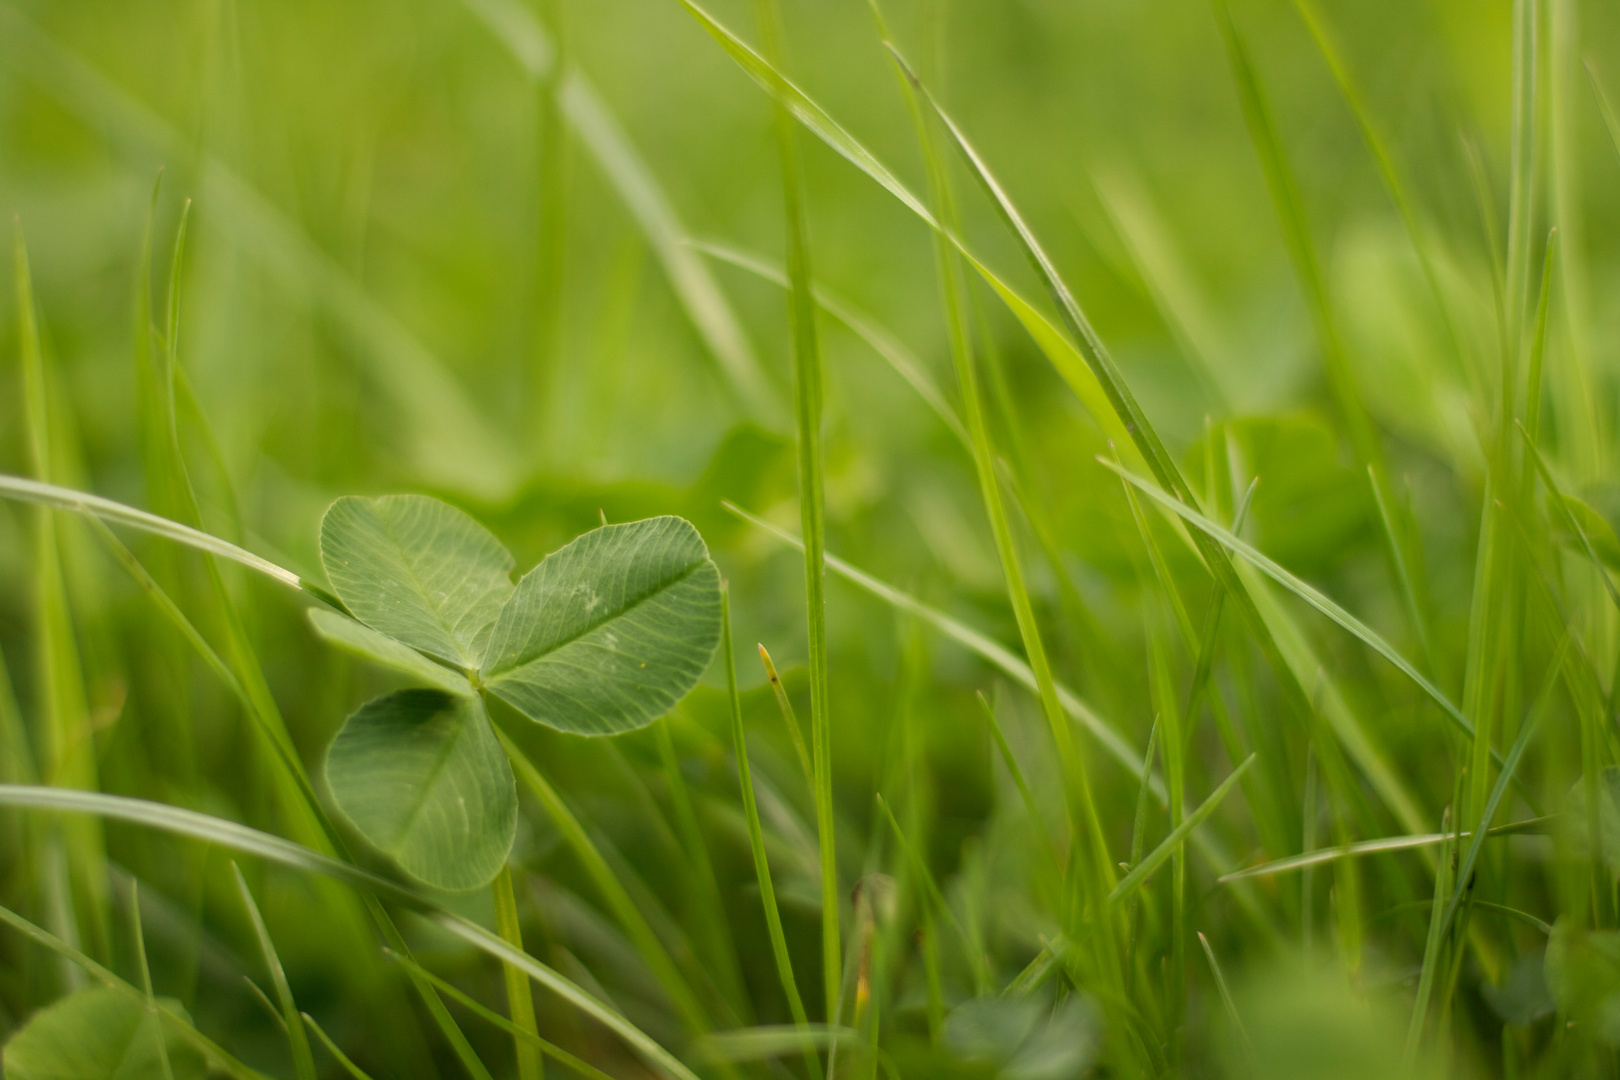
<point>519,997</point>
<point>137,937</point>
<point>303,1062</point>
<point>240,838</point>
<point>1156,858</point>
<point>756,836</point>
<point>332,1048</point>
<point>597,130</point>
<point>1380,846</point>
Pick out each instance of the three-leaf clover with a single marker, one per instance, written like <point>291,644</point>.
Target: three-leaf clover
<point>604,636</point>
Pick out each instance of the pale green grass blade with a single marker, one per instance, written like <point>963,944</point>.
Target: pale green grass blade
<point>1443,879</point>
<point>583,1068</point>
<point>1516,754</point>
<point>1299,588</point>
<point>519,995</point>
<point>21,489</point>
<point>419,570</point>
<point>1380,846</point>
<point>362,640</point>
<point>598,131</point>
<point>905,363</point>
<point>609,631</point>
<point>1611,121</point>
<point>420,774</point>
<point>248,841</point>
<point>216,1056</point>
<point>1222,989</point>
<point>332,1048</point>
<point>303,1061</point>
<point>808,392</point>
<point>1538,344</point>
<point>1403,575</point>
<point>707,903</point>
<point>790,718</point>
<point>137,937</point>
<point>450,443</point>
<point>770,1041</point>
<point>67,750</point>
<point>756,835</point>
<point>1569,520</point>
<point>1156,858</point>
<point>612,891</point>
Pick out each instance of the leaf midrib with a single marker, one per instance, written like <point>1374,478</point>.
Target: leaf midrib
<point>462,656</point>
<point>433,775</point>
<point>526,660</point>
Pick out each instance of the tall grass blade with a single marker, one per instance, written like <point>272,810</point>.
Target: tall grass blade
<point>303,1061</point>
<point>332,1048</point>
<point>137,937</point>
<point>583,108</point>
<point>240,838</point>
<point>519,997</point>
<point>1157,857</point>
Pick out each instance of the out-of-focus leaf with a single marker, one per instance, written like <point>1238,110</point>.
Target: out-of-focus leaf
<point>99,1034</point>
<point>1025,1037</point>
<point>418,570</point>
<point>1524,997</point>
<point>608,632</point>
<point>1583,972</point>
<point>421,776</point>
<point>1307,1028</point>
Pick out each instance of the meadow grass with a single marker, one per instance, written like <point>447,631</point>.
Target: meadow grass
<point>1162,450</point>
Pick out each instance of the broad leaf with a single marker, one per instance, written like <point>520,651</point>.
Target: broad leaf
<point>420,775</point>
<point>418,570</point>
<point>362,640</point>
<point>607,633</point>
<point>99,1034</point>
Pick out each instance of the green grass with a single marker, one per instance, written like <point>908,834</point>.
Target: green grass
<point>1164,452</point>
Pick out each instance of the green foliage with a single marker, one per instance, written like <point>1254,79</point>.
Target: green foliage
<point>610,631</point>
<point>99,1034</point>
<point>420,775</point>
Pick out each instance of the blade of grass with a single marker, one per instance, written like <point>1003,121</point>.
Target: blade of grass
<point>1156,858</point>
<point>1569,520</point>
<point>598,131</point>
<point>1223,990</point>
<point>297,1040</point>
<point>1380,846</point>
<point>519,998</point>
<point>332,1048</point>
<point>68,750</point>
<point>1443,878</point>
<point>756,835</point>
<point>808,390</point>
<point>583,1068</point>
<point>612,891</point>
<point>137,937</point>
<point>240,838</point>
<point>790,719</point>
<point>215,1055</point>
<point>974,957</point>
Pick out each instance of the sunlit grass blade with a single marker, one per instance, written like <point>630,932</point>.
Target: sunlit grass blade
<point>756,835</point>
<point>519,997</point>
<point>1380,846</point>
<point>1166,847</point>
<point>216,1055</point>
<point>1516,754</point>
<point>297,1040</point>
<point>337,1053</point>
<point>808,393</point>
<point>68,749</point>
<point>240,838</point>
<point>1299,588</point>
<point>450,442</point>
<point>790,718</point>
<point>528,1038</point>
<point>42,494</point>
<point>599,132</point>
<point>613,893</point>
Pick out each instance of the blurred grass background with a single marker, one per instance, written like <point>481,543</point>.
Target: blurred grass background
<point>410,268</point>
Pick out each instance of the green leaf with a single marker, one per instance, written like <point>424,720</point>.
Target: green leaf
<point>608,632</point>
<point>98,1034</point>
<point>420,775</point>
<point>362,640</point>
<point>418,570</point>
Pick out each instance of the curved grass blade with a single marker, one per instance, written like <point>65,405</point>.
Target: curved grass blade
<point>229,834</point>
<point>79,502</point>
<point>303,1061</point>
<point>1300,589</point>
<point>332,1048</point>
<point>1157,857</point>
<point>516,27</point>
<point>211,1051</point>
<point>1380,846</point>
